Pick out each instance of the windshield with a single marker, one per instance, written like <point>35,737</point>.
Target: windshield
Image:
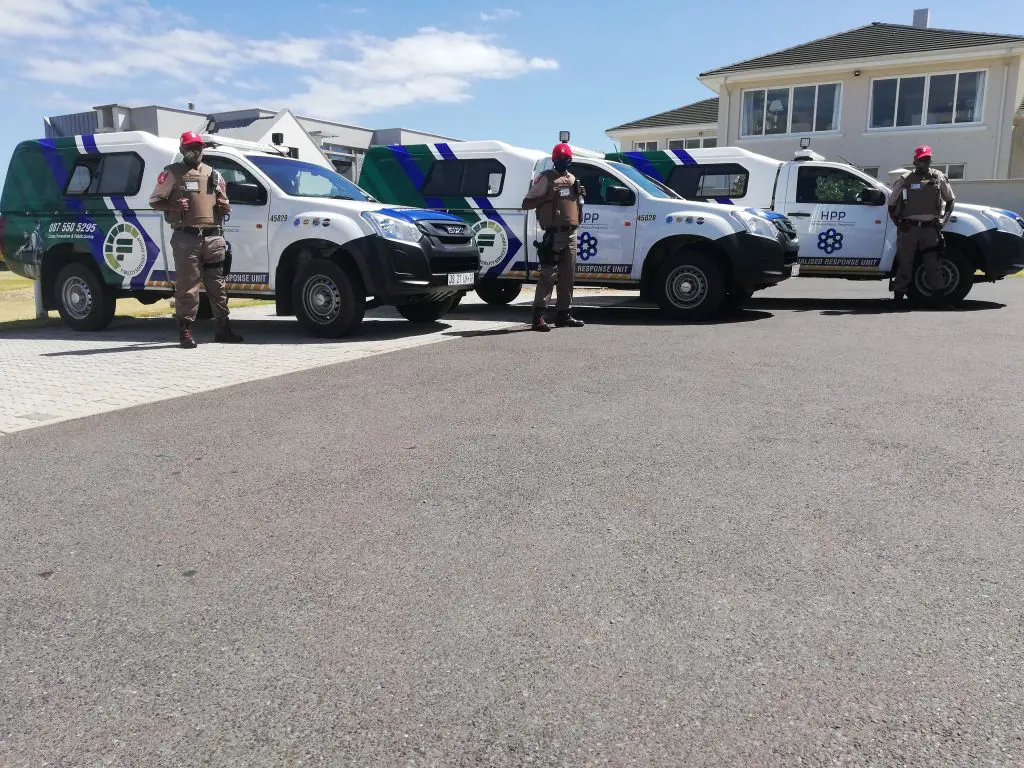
<point>646,183</point>
<point>300,179</point>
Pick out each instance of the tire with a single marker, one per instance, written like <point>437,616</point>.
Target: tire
<point>426,311</point>
<point>327,302</point>
<point>498,292</point>
<point>83,300</point>
<point>689,286</point>
<point>958,272</point>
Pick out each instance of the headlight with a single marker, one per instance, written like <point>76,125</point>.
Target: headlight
<point>1002,221</point>
<point>393,229</point>
<point>756,225</point>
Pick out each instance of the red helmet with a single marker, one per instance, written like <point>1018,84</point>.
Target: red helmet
<point>924,151</point>
<point>561,151</point>
<point>191,137</point>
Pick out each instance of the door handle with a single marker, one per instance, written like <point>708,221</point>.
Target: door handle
<point>798,213</point>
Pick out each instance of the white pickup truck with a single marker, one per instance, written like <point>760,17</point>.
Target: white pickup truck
<point>75,215</point>
<point>689,256</point>
<point>840,215</point>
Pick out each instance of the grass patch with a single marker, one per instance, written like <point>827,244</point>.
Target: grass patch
<point>18,306</point>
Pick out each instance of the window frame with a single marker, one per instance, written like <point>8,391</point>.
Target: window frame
<point>789,119</point>
<point>462,178</point>
<point>925,103</point>
<point>819,168</point>
<point>944,168</point>
<point>582,163</point>
<point>711,169</point>
<point>259,183</point>
<point>100,158</point>
<point>702,139</point>
<point>646,144</point>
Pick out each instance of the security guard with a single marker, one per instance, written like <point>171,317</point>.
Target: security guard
<point>558,198</point>
<point>920,205</point>
<point>194,201</point>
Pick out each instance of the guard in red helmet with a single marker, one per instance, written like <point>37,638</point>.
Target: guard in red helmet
<point>920,206</point>
<point>194,200</point>
<point>558,198</point>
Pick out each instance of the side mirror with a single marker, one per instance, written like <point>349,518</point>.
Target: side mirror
<point>873,197</point>
<point>246,194</point>
<point>619,196</point>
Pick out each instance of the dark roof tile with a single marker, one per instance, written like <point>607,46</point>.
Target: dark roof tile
<point>875,39</point>
<point>705,111</point>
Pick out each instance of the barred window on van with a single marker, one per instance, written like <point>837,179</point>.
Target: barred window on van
<point>465,178</point>
<point>114,175</point>
<point>707,182</point>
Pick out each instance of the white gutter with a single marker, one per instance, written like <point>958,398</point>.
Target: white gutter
<point>1002,119</point>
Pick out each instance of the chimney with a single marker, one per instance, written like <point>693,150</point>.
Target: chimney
<point>922,17</point>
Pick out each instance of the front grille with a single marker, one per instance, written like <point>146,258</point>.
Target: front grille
<point>455,262</point>
<point>447,232</point>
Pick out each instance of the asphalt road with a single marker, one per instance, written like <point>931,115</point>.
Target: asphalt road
<point>793,538</point>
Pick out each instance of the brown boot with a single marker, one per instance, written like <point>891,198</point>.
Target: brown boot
<point>185,334</point>
<point>539,323</point>
<point>224,334</point>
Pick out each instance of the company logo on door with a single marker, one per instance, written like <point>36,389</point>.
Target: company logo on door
<point>492,240</point>
<point>124,250</point>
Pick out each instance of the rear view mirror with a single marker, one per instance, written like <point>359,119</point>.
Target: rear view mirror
<point>619,196</point>
<point>246,194</point>
<point>873,197</point>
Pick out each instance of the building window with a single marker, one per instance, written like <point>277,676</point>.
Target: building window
<point>645,146</point>
<point>708,142</point>
<point>465,178</point>
<point>709,182</point>
<point>954,171</point>
<point>947,99</point>
<point>117,175</point>
<point>871,170</point>
<point>798,109</point>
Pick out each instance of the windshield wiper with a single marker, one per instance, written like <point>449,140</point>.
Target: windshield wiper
<point>341,197</point>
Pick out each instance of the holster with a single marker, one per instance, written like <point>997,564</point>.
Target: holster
<point>546,250</point>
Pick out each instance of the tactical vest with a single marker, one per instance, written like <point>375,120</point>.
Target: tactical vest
<point>199,187</point>
<point>562,206</point>
<point>922,197</point>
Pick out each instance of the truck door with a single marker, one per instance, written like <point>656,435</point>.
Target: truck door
<point>608,231</point>
<point>841,219</point>
<point>246,228</point>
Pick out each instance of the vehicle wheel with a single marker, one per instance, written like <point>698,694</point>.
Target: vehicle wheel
<point>498,292</point>
<point>689,286</point>
<point>83,300</point>
<point>426,311</point>
<point>958,277</point>
<point>327,303</point>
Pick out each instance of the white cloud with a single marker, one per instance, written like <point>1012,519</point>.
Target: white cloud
<point>120,44</point>
<point>500,14</point>
<point>44,18</point>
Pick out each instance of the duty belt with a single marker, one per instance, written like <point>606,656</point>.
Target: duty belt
<point>916,223</point>
<point>562,229</point>
<point>203,231</point>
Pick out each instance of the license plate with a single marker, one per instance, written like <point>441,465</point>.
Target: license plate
<point>461,278</point>
<point>794,271</point>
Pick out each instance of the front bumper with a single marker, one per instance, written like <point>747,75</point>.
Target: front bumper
<point>394,272</point>
<point>1002,253</point>
<point>758,262</point>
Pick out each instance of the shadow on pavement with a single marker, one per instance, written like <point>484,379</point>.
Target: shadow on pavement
<point>840,307</point>
<point>141,335</point>
<point>617,313</point>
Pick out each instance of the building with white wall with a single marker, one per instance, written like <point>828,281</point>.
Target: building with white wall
<point>869,95</point>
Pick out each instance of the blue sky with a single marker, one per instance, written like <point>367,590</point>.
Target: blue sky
<point>517,70</point>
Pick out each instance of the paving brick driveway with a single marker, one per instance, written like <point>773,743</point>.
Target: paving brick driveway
<point>54,374</point>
